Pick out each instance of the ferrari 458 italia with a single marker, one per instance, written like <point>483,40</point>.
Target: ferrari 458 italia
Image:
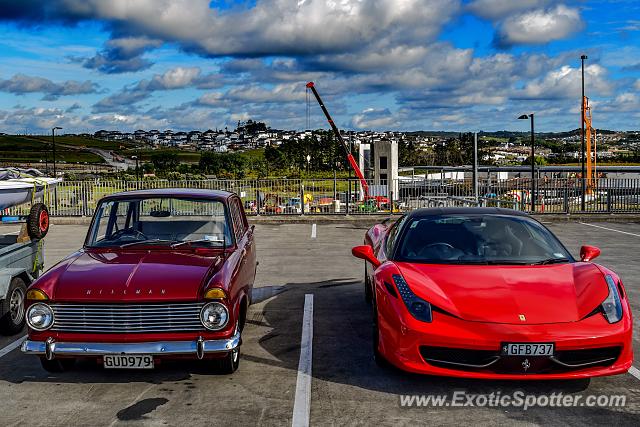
<point>491,293</point>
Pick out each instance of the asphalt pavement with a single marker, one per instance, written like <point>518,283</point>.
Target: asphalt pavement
<point>346,386</point>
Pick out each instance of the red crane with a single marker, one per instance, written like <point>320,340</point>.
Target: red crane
<point>352,161</point>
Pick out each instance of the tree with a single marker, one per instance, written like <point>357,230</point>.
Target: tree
<point>165,160</point>
<point>540,161</point>
<point>210,163</point>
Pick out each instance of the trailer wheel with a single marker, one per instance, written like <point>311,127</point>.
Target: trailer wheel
<point>13,308</point>
<point>38,221</point>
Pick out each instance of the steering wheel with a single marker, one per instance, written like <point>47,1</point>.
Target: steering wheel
<point>128,231</point>
<point>443,244</point>
<point>442,249</point>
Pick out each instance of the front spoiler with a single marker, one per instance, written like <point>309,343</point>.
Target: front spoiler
<point>198,348</point>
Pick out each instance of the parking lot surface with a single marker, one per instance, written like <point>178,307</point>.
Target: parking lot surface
<point>347,387</point>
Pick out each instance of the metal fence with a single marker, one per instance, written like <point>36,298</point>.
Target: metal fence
<point>345,196</point>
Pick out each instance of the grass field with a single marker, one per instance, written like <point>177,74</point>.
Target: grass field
<point>86,142</point>
<point>15,148</point>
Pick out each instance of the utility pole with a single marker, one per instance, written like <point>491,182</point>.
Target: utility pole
<point>533,165</point>
<point>582,157</point>
<point>53,141</point>
<point>533,159</point>
<point>475,165</point>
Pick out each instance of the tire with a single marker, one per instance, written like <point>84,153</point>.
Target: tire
<point>375,339</point>
<point>57,365</point>
<point>229,363</point>
<point>13,306</point>
<point>368,292</point>
<point>38,221</point>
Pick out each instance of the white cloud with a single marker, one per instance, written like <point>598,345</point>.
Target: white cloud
<point>498,9</point>
<point>566,82</point>
<point>175,78</point>
<point>273,27</point>
<point>539,26</point>
<point>20,84</point>
<point>375,118</point>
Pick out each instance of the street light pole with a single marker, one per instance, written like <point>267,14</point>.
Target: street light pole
<point>136,159</point>
<point>53,141</point>
<point>582,157</point>
<point>533,160</point>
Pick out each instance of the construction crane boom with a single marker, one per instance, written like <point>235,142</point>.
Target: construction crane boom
<point>350,158</point>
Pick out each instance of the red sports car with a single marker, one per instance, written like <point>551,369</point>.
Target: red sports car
<point>491,293</point>
<point>162,274</point>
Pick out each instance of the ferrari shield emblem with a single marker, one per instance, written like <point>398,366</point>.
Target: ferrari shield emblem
<point>522,318</point>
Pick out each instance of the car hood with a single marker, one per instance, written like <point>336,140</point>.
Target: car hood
<point>134,276</point>
<point>502,294</point>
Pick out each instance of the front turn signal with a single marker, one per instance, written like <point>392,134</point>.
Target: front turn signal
<point>215,293</point>
<point>36,295</point>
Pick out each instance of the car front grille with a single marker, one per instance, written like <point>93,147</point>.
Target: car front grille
<point>492,361</point>
<point>127,318</point>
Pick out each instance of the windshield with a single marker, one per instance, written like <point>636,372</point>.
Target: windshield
<point>479,239</point>
<point>159,221</point>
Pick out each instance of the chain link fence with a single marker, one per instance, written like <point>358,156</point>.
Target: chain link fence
<point>345,196</point>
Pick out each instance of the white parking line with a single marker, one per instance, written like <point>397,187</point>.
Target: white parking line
<point>8,349</point>
<point>314,229</point>
<point>635,372</point>
<point>302,402</point>
<point>610,229</point>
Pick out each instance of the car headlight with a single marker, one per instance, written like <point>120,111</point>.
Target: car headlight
<point>40,317</point>
<point>612,306</point>
<point>214,316</point>
<point>419,308</point>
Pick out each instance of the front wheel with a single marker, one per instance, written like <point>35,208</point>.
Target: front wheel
<point>229,363</point>
<point>13,320</point>
<point>368,292</point>
<point>375,338</point>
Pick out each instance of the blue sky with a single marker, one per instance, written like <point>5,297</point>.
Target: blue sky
<point>380,64</point>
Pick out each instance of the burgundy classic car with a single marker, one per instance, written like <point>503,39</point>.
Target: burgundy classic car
<point>162,274</point>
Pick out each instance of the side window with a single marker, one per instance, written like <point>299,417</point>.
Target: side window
<point>393,235</point>
<point>243,217</point>
<point>236,217</point>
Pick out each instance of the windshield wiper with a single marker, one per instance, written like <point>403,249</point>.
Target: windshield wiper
<point>147,242</point>
<point>551,261</point>
<point>189,242</point>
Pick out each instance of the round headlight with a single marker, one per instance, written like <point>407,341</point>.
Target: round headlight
<point>214,316</point>
<point>40,317</point>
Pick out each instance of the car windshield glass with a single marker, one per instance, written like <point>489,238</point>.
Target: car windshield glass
<point>159,221</point>
<point>479,239</point>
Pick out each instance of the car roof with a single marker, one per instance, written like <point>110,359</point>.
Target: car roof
<point>192,193</point>
<point>424,212</point>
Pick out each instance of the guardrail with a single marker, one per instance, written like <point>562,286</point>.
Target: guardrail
<point>344,196</point>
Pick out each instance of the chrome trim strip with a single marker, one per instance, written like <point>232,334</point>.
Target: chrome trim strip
<point>463,364</point>
<point>165,348</point>
<point>580,365</point>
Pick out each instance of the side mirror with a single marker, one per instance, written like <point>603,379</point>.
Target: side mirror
<point>589,253</point>
<point>365,252</point>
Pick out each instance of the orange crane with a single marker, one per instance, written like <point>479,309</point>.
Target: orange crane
<point>350,158</point>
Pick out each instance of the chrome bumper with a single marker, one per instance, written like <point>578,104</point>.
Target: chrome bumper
<point>50,348</point>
